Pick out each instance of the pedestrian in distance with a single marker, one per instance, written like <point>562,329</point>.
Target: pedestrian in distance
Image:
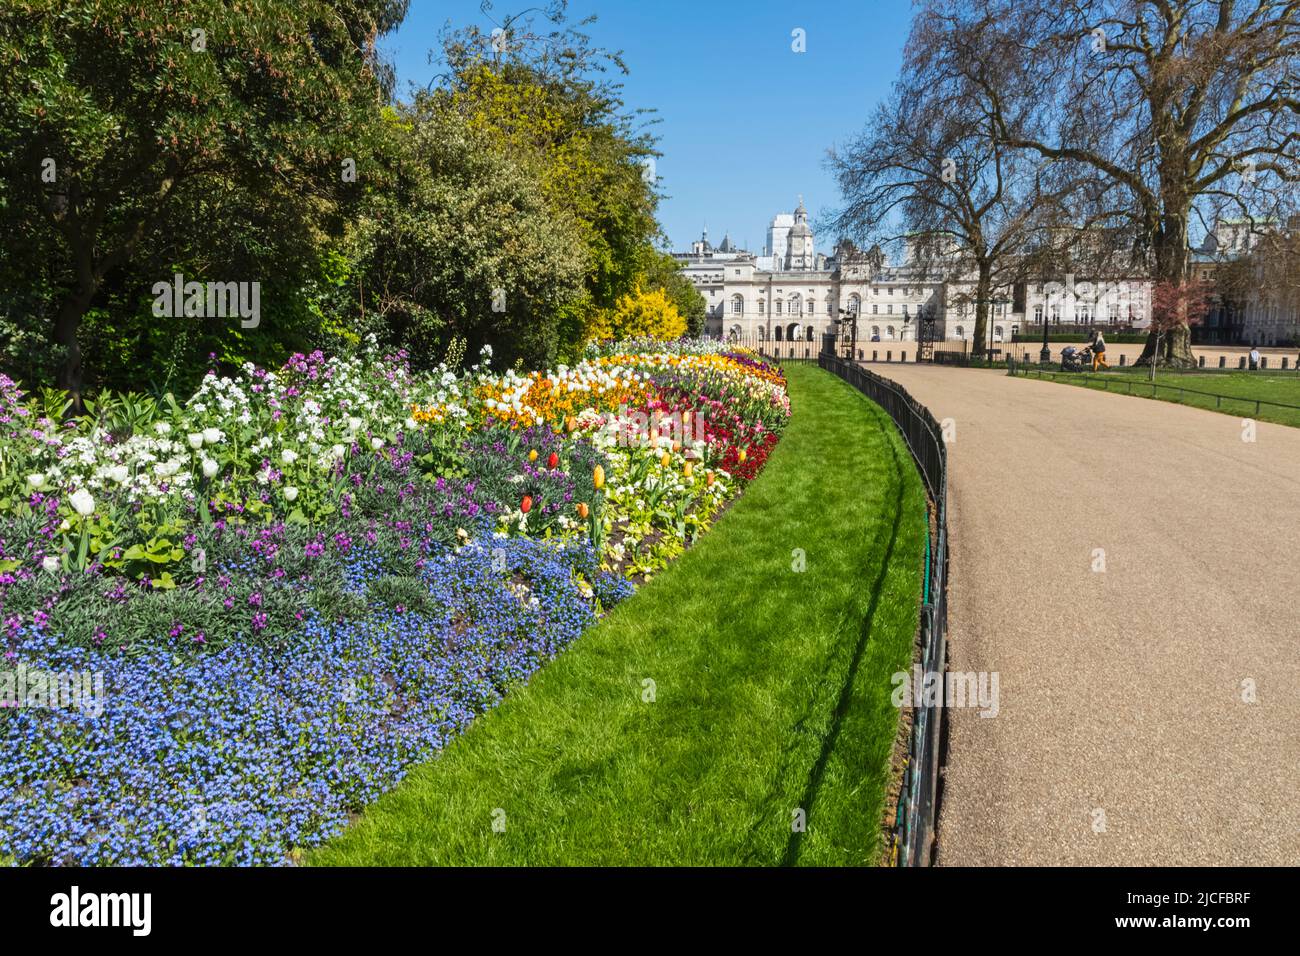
<point>1099,351</point>
<point>1254,358</point>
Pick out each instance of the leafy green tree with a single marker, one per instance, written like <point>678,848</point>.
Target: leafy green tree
<point>662,271</point>
<point>120,122</point>
<point>539,92</point>
<point>464,244</point>
<point>640,314</point>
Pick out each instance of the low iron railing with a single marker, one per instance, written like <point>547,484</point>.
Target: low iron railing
<point>918,801</point>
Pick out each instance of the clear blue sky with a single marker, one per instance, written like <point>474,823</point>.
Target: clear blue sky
<point>745,121</point>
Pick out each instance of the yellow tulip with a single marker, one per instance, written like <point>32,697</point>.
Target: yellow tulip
<point>686,469</point>
<point>532,455</point>
<point>666,460</point>
<point>598,477</point>
<point>741,456</point>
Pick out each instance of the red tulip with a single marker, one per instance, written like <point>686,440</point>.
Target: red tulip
<point>553,461</point>
<point>527,504</point>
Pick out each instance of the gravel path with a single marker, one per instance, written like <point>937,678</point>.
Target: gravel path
<point>1122,736</point>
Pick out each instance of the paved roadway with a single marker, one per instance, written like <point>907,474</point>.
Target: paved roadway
<point>1122,736</point>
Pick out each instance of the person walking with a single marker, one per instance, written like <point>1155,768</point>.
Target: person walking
<point>1099,351</point>
<point>1254,358</point>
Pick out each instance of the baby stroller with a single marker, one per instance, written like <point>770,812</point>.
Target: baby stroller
<point>1076,360</point>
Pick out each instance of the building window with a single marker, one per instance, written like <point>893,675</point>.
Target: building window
<point>1038,315</point>
<point>812,305</point>
<point>762,307</point>
<point>778,306</point>
<point>961,332</point>
<point>875,309</point>
<point>889,333</point>
<point>889,309</point>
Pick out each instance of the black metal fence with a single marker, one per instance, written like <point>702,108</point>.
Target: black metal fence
<point>918,802</point>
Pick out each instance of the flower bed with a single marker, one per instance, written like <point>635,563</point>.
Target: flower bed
<point>294,585</point>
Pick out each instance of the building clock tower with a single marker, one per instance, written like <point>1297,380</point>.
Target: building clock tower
<point>799,250</point>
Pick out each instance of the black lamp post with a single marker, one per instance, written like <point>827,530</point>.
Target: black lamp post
<point>1045,355</point>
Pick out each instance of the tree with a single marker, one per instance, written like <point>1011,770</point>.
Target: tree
<point>1171,104</point>
<point>640,314</point>
<point>463,244</point>
<point>662,271</point>
<point>1177,305</point>
<point>929,169</point>
<point>535,87</point>
<point>116,117</point>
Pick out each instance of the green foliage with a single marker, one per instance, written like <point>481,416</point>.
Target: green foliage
<point>640,314</point>
<point>508,206</point>
<point>466,245</point>
<point>662,271</point>
<point>135,138</point>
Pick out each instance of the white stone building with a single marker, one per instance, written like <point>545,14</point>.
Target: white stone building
<point>1268,316</point>
<point>793,293</point>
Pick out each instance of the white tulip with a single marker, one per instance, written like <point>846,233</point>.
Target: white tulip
<point>50,563</point>
<point>196,440</point>
<point>212,435</point>
<point>376,443</point>
<point>290,493</point>
<point>162,428</point>
<point>288,456</point>
<point>354,423</point>
<point>209,467</point>
<point>119,473</point>
<point>82,502</point>
<point>36,480</point>
<point>412,424</point>
<point>337,451</point>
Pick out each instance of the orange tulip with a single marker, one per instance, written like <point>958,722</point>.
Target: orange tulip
<point>708,479</point>
<point>583,510</point>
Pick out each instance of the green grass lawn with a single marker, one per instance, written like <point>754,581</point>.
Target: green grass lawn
<point>771,687</point>
<point>1242,389</point>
